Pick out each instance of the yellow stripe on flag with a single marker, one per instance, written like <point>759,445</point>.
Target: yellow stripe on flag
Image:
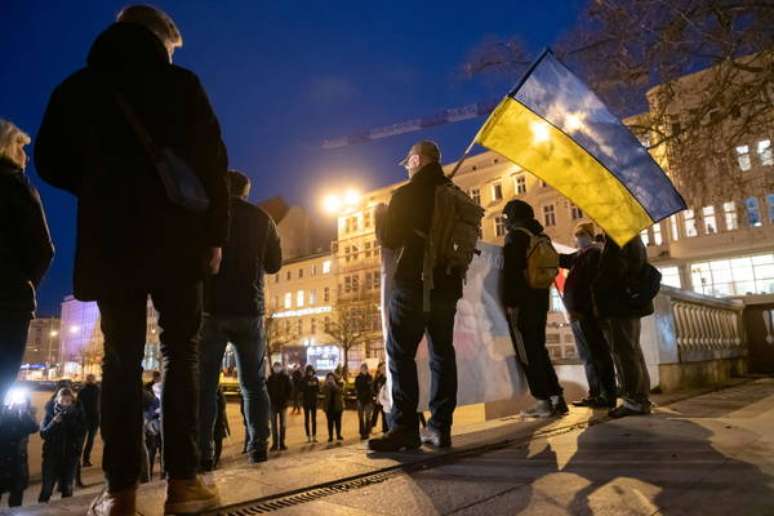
<point>543,150</point>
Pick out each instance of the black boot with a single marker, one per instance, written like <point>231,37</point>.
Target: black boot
<point>396,440</point>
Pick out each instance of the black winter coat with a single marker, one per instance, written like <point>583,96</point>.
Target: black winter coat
<point>129,234</point>
<point>516,291</point>
<point>15,429</point>
<point>252,250</point>
<point>364,388</point>
<point>583,266</point>
<point>619,267</point>
<point>88,399</point>
<point>333,398</point>
<point>62,441</point>
<point>280,388</point>
<point>25,243</point>
<point>409,216</point>
<point>311,390</point>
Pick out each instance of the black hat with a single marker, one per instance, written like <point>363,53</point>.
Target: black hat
<point>518,210</point>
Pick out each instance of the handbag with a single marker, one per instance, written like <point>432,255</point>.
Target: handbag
<point>181,184</point>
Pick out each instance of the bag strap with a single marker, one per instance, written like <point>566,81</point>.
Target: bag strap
<point>137,127</point>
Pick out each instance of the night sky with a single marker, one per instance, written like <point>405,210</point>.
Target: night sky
<point>282,76</point>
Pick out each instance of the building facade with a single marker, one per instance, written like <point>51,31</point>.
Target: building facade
<point>42,348</point>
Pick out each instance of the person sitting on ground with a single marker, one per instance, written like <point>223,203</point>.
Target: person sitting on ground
<point>62,431</point>
<point>589,339</point>
<point>527,310</point>
<point>364,390</point>
<point>311,392</point>
<point>17,423</point>
<point>333,405</point>
<point>280,388</point>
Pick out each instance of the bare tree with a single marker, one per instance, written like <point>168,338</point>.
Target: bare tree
<point>350,326</point>
<point>276,337</point>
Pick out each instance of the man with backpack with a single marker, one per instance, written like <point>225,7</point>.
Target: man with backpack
<point>623,293</point>
<point>427,286</point>
<point>531,264</point>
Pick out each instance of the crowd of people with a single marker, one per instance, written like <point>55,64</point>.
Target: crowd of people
<point>133,137</point>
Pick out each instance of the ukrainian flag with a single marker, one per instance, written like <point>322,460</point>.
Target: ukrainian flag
<point>555,127</point>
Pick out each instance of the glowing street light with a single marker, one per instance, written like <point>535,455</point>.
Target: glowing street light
<point>351,197</point>
<point>53,333</point>
<point>332,204</point>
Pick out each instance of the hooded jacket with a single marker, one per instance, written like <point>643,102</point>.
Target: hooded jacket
<point>619,269</point>
<point>280,388</point>
<point>583,266</point>
<point>63,440</point>
<point>129,234</point>
<point>516,292</point>
<point>25,243</point>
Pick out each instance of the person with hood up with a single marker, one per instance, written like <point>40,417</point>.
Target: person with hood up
<point>62,431</point>
<point>113,132</point>
<point>527,310</point>
<point>280,388</point>
<point>17,423</point>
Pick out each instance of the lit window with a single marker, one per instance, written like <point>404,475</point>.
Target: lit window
<point>549,215</point>
<point>288,300</point>
<point>743,157</point>
<point>732,221</point>
<point>347,284</point>
<point>576,212</point>
<point>354,252</point>
<point>657,238</point>
<point>770,202</point>
<point>313,296</point>
<point>499,225</point>
<point>475,195</point>
<point>670,276</point>
<point>674,228</point>
<point>367,249</point>
<point>520,184</point>
<point>300,298</point>
<point>735,276</point>
<point>765,154</point>
<point>645,237</point>
<point>689,224</point>
<point>497,191</point>
<point>710,224</point>
<point>367,219</point>
<point>753,213</point>
<point>326,267</point>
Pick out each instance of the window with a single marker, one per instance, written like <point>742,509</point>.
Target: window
<point>670,276</point>
<point>368,282</point>
<point>710,224</point>
<point>276,278</point>
<point>520,184</point>
<point>287,326</point>
<point>289,275</point>
<point>736,276</point>
<point>347,251</point>
<point>753,213</point>
<point>326,267</point>
<point>497,191</point>
<point>288,300</point>
<point>327,295</point>
<point>354,252</point>
<point>314,269</point>
<point>367,249</point>
<point>347,284</point>
<point>313,326</point>
<point>543,184</point>
<point>300,298</point>
<point>657,238</point>
<point>299,327</point>
<point>313,296</point>
<point>645,237</point>
<point>377,279</point>
<point>549,215</point>
<point>327,323</point>
<point>475,195</point>
<point>765,154</point>
<point>367,219</point>
<point>689,224</point>
<point>770,202</point>
<point>355,282</point>
<point>300,273</point>
<point>743,157</point>
<point>732,222</point>
<point>575,212</point>
<point>674,229</point>
<point>499,225</point>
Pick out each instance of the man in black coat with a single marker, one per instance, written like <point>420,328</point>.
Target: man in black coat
<point>88,399</point>
<point>527,310</point>
<point>402,227</point>
<point>364,385</point>
<point>132,241</point>
<point>620,268</point>
<point>233,312</point>
<point>25,251</point>
<point>280,388</point>
<point>593,350</point>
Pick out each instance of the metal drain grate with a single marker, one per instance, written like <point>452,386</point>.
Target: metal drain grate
<point>276,504</point>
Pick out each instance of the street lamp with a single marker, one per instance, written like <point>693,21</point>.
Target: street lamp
<point>335,204</point>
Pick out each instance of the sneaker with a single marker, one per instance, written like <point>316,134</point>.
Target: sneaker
<point>542,409</point>
<point>436,438</point>
<point>121,503</point>
<point>623,411</point>
<point>396,440</point>
<point>190,496</point>
<point>258,456</point>
<point>560,406</point>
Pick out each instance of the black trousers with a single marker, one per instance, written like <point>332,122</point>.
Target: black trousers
<point>540,373</point>
<point>597,359</point>
<point>57,472</point>
<point>91,433</point>
<point>310,421</point>
<point>334,420</point>
<point>407,325</point>
<point>124,327</point>
<point>379,411</point>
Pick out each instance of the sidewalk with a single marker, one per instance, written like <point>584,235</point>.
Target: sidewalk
<point>711,454</point>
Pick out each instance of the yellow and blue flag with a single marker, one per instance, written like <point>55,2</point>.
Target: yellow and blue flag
<point>555,127</point>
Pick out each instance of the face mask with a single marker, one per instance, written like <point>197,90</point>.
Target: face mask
<point>277,370</point>
<point>583,241</point>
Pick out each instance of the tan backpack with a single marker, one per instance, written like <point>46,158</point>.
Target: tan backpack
<point>542,260</point>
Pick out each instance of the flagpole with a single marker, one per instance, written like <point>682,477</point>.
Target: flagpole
<point>463,158</point>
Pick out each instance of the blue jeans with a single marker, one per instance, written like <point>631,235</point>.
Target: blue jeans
<point>595,354</point>
<point>247,337</point>
<point>13,340</point>
<point>407,325</point>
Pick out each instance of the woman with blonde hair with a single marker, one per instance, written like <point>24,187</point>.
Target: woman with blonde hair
<point>25,251</point>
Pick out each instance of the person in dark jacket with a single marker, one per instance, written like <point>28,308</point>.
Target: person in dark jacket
<point>402,227</point>
<point>333,405</point>
<point>298,389</point>
<point>134,241</point>
<point>589,339</point>
<point>527,310</point>
<point>17,423</point>
<point>221,429</point>
<point>88,399</point>
<point>62,432</point>
<point>619,269</point>
<point>25,251</point>
<point>280,388</point>
<point>233,312</point>
<point>152,428</point>
<point>379,380</point>
<point>311,390</point>
<point>364,390</point>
